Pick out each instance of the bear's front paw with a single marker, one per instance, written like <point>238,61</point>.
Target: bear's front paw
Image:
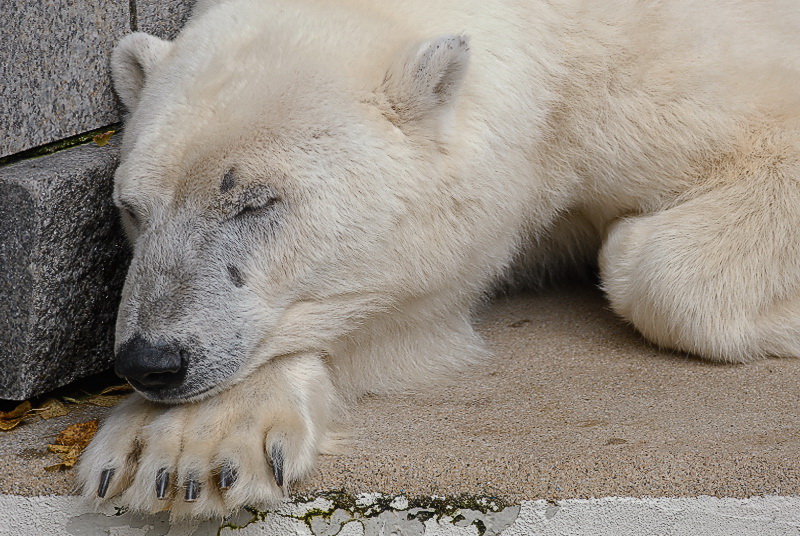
<point>240,447</point>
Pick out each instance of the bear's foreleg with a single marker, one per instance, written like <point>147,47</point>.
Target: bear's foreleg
<point>718,274</point>
<point>240,447</point>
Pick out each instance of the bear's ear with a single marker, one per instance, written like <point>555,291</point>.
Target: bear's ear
<point>423,87</point>
<point>133,59</point>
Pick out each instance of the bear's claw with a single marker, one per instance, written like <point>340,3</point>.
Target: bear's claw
<point>276,453</point>
<point>105,480</point>
<point>227,477</point>
<point>192,488</point>
<point>162,483</point>
<point>240,447</point>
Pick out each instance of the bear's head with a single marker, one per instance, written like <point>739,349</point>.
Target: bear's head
<point>278,190</point>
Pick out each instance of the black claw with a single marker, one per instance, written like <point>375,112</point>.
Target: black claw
<point>192,490</point>
<point>227,477</point>
<point>277,463</point>
<point>162,483</point>
<point>105,480</point>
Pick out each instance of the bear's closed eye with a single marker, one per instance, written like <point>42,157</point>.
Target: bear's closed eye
<point>256,207</point>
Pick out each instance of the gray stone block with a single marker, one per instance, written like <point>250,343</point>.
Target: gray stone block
<point>54,80</point>
<point>63,260</point>
<point>162,18</point>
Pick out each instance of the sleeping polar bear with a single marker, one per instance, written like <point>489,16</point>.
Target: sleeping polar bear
<point>319,192</point>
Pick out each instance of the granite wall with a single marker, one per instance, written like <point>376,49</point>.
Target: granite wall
<point>54,69</point>
<point>62,253</point>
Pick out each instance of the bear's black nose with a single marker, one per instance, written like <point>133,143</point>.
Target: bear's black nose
<point>151,366</point>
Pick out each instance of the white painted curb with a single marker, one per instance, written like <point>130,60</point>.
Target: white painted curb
<point>614,516</point>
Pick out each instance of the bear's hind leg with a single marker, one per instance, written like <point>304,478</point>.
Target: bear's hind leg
<point>717,275</point>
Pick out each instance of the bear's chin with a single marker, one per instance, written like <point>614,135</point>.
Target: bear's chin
<point>177,395</point>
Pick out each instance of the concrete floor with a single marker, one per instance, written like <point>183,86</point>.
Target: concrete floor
<point>574,404</point>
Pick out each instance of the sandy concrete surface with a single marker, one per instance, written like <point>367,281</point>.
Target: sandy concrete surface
<point>574,404</point>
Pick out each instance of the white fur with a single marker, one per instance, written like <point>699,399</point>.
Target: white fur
<point>136,55</point>
<point>422,153</point>
<point>237,427</point>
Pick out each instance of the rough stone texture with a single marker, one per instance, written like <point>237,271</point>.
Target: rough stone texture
<point>54,80</point>
<point>162,18</point>
<point>62,263</point>
<point>54,75</point>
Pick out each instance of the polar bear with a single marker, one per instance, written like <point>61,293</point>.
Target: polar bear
<point>318,193</point>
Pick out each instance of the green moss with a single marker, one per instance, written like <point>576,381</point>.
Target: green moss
<point>481,526</point>
<point>232,525</point>
<point>419,508</point>
<point>60,145</point>
<point>449,506</point>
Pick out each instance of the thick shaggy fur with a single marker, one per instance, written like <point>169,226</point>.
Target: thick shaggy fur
<point>318,192</point>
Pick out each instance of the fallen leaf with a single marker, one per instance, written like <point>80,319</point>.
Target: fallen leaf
<point>70,443</point>
<point>77,434</point>
<point>105,401</point>
<point>51,408</point>
<point>102,139</point>
<point>60,449</point>
<point>69,457</point>
<point>10,419</point>
<point>10,424</point>
<point>124,388</point>
<point>18,411</point>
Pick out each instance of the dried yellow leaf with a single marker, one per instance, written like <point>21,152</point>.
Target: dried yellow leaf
<point>69,458</point>
<point>10,424</point>
<point>70,443</point>
<point>102,139</point>
<point>52,408</point>
<point>10,419</point>
<point>124,388</point>
<point>18,411</point>
<point>105,401</point>
<point>78,434</point>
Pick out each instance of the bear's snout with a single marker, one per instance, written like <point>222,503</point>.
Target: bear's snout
<point>151,367</point>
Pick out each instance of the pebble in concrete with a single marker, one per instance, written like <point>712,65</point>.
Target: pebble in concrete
<point>63,260</point>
